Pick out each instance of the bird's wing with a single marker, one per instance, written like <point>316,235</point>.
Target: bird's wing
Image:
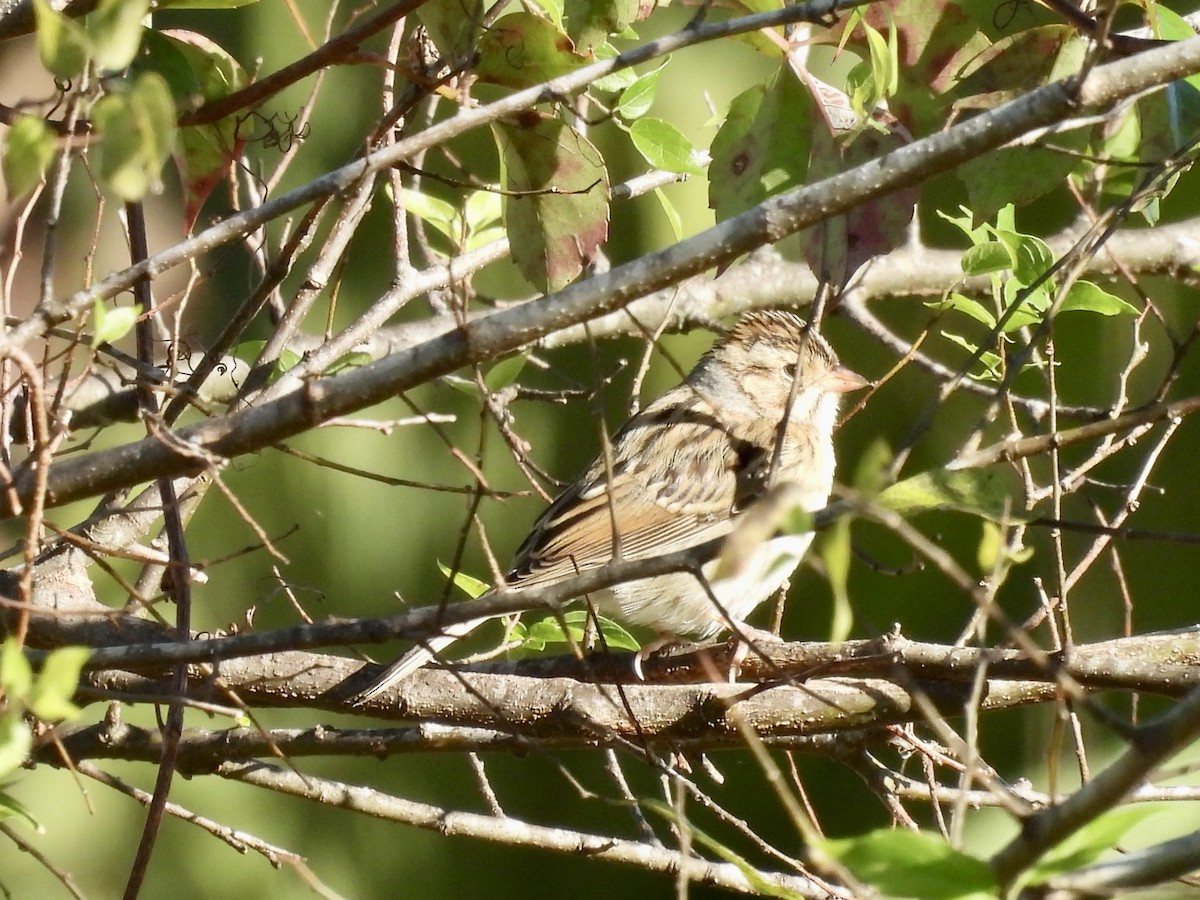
<point>672,485</point>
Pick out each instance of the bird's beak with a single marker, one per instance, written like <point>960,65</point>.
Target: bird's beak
<point>842,381</point>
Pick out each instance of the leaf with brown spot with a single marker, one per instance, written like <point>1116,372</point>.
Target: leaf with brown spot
<point>557,212</point>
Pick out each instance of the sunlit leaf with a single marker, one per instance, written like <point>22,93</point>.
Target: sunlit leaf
<point>115,29</point>
<point>16,674</point>
<point>472,587</point>
<point>62,42</point>
<point>664,146</point>
<point>522,49</point>
<point>28,151</point>
<point>136,130</point>
<point>11,807</point>
<point>15,741</point>
<point>763,146</point>
<point>109,325</point>
<point>1089,297</point>
<point>635,101</point>
<point>903,863</point>
<point>981,492</point>
<point>55,685</point>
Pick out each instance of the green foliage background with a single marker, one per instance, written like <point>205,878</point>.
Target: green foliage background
<point>352,543</point>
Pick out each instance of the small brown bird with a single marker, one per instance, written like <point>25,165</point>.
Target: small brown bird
<point>682,471</point>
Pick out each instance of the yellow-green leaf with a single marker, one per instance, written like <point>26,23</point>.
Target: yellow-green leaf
<point>28,151</point>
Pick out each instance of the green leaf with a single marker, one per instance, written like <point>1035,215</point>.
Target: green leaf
<point>482,210</point>
<point>664,146</point>
<point>980,492</point>
<point>523,49</point>
<point>504,373</point>
<point>202,4</point>
<point>635,101</point>
<point>903,863</point>
<point>1091,842</point>
<point>993,550</point>
<point>557,218</point>
<point>15,741</point>
<point>989,256</point>
<point>28,152</point>
<point>990,361</point>
<point>964,304</point>
<point>109,325</point>
<point>549,630</point>
<point>136,131</point>
<point>472,587</point>
<point>115,30</point>
<point>835,552</point>
<point>1084,295</point>
<point>763,146</point>
<point>613,81</point>
<point>16,674</point>
<point>354,359</point>
<point>10,806</point>
<point>671,212</point>
<point>590,22</point>
<point>62,42</point>
<point>434,211</point>
<point>197,70</point>
<point>50,699</point>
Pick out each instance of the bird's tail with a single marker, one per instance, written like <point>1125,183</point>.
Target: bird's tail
<point>423,653</point>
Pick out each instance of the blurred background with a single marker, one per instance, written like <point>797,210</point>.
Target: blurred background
<point>357,547</point>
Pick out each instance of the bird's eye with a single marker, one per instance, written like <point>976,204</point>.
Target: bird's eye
<point>790,369</point>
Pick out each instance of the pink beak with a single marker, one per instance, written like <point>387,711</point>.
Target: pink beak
<point>842,381</point>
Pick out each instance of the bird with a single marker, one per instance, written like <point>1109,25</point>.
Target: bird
<point>680,474</point>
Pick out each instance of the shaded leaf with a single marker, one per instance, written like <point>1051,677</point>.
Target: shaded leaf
<point>558,218</point>
<point>198,71</point>
<point>590,22</point>
<point>10,806</point>
<point>452,25</point>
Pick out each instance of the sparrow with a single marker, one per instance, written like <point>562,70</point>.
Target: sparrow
<point>758,410</point>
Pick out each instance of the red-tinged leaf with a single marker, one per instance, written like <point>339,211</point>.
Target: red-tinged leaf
<point>936,39</point>
<point>763,147</point>
<point>522,50</point>
<point>197,71</point>
<point>1011,65</point>
<point>557,213</point>
<point>838,246</point>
